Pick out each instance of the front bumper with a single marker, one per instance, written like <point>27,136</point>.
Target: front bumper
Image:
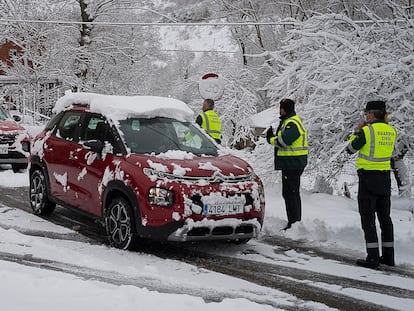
<point>224,229</point>
<point>13,157</point>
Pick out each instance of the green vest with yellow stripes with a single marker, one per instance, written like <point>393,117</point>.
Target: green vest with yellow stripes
<point>300,145</point>
<point>377,152</point>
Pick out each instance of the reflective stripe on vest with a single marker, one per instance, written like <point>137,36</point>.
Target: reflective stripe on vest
<point>300,145</point>
<point>211,124</point>
<point>377,151</point>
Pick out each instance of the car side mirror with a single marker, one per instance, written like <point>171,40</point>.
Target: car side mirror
<point>94,145</point>
<point>17,118</point>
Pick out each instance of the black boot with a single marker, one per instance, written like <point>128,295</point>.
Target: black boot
<point>288,226</point>
<point>387,257</point>
<point>372,260</point>
<point>368,263</point>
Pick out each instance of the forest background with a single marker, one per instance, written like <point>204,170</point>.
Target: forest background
<point>330,56</point>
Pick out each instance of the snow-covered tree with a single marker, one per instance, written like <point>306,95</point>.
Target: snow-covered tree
<point>239,104</point>
<point>31,64</point>
<point>104,52</point>
<point>332,66</point>
<point>88,56</point>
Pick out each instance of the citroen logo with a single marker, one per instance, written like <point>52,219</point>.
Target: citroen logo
<point>218,177</point>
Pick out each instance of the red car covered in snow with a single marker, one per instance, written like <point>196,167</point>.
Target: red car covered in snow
<point>14,142</point>
<point>144,169</point>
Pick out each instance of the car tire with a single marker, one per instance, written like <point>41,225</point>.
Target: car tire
<point>18,167</point>
<point>39,200</point>
<point>119,224</point>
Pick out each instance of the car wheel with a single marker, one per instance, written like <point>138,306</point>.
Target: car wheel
<point>18,167</point>
<point>119,223</point>
<point>38,194</point>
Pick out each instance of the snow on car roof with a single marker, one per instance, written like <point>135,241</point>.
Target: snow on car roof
<point>120,107</point>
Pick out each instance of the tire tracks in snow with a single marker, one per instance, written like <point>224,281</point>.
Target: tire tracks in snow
<point>304,284</point>
<point>153,284</point>
<point>303,247</point>
<point>301,283</point>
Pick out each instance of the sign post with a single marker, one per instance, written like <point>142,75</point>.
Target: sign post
<point>211,86</point>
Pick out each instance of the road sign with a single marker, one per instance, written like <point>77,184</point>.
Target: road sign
<point>211,86</point>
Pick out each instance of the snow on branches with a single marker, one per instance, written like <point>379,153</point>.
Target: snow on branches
<point>332,66</point>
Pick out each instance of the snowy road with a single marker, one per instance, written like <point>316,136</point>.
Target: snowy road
<point>318,279</point>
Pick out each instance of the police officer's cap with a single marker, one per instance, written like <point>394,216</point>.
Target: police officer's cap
<point>375,105</point>
<point>288,105</point>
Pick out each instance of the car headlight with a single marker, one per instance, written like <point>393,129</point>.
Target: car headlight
<point>261,194</point>
<point>260,188</point>
<point>161,197</point>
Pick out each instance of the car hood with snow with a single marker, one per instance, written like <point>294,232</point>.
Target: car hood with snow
<point>11,127</point>
<point>222,167</point>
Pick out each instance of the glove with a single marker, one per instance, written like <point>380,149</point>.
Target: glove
<point>269,134</point>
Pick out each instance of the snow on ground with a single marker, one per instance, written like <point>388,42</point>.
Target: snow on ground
<point>10,179</point>
<point>35,289</point>
<point>332,221</point>
<point>328,222</point>
<point>24,287</point>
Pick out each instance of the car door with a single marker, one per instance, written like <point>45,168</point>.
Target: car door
<point>58,152</point>
<point>90,166</point>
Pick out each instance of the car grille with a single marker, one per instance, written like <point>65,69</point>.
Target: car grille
<point>221,230</point>
<point>218,230</point>
<point>217,177</point>
<point>7,139</point>
<point>220,178</point>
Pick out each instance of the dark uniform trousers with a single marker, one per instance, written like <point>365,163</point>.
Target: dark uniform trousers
<point>291,194</point>
<point>374,191</point>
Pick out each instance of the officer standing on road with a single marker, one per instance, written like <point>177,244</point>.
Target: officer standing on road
<point>291,157</point>
<point>210,121</point>
<point>375,139</point>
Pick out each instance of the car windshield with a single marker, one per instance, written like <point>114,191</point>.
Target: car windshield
<point>3,114</point>
<point>163,134</point>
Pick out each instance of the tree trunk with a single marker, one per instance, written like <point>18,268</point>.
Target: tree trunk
<point>84,43</point>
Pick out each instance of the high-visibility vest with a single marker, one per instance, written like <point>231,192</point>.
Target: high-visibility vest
<point>211,123</point>
<point>376,153</point>
<point>300,145</point>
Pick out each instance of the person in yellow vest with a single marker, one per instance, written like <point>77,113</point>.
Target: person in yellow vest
<point>291,157</point>
<point>210,121</point>
<point>374,141</point>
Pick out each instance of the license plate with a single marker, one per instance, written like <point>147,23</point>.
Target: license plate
<point>223,209</point>
<point>4,149</point>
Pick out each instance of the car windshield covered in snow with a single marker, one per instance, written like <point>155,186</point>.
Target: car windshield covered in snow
<point>159,135</point>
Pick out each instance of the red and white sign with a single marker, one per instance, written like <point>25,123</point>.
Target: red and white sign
<point>211,86</point>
